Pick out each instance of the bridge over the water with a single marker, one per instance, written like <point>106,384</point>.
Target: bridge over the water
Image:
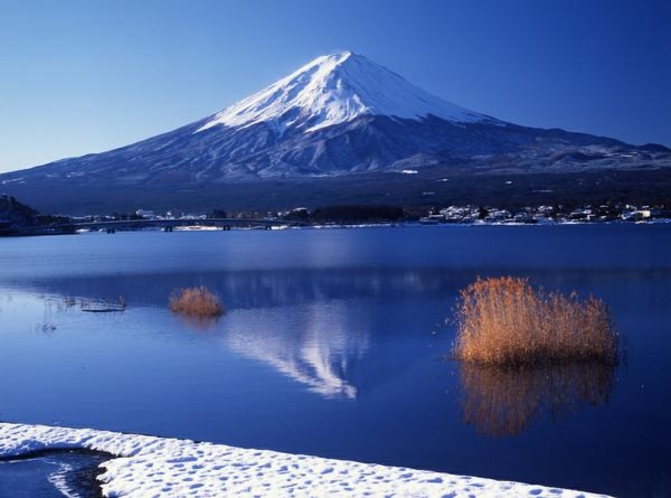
<point>170,224</point>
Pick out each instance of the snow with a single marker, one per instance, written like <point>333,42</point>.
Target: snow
<point>149,466</point>
<point>334,89</point>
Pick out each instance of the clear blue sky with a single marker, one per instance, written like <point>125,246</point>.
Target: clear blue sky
<point>87,76</point>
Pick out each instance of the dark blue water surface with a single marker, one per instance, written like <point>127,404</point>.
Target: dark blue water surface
<point>52,474</point>
<point>331,346</point>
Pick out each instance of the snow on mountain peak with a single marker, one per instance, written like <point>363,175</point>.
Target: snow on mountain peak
<point>334,89</point>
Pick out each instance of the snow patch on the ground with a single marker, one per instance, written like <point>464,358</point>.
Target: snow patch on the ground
<point>160,467</point>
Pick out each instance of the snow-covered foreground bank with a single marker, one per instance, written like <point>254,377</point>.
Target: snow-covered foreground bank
<point>159,467</point>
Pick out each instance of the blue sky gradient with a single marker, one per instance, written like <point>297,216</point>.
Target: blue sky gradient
<point>87,76</point>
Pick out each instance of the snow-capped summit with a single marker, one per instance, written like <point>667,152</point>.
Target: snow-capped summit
<point>337,88</point>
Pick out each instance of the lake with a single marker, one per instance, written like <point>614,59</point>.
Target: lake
<point>333,345</point>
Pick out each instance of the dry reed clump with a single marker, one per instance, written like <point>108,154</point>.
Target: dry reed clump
<point>196,302</point>
<point>504,321</point>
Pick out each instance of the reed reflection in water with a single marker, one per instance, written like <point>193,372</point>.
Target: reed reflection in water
<point>504,401</point>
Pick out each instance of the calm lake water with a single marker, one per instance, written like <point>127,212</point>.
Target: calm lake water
<point>332,343</point>
<point>52,474</point>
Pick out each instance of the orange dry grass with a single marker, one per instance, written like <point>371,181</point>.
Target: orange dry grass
<point>196,301</point>
<point>504,321</point>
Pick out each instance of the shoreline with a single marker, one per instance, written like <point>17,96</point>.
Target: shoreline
<point>148,465</point>
<point>334,226</point>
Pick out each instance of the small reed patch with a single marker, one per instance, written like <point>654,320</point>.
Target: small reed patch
<point>504,321</point>
<point>196,302</point>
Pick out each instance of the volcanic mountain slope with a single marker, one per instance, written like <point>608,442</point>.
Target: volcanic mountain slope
<point>340,116</point>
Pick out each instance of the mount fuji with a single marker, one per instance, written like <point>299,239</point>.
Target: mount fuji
<point>339,129</point>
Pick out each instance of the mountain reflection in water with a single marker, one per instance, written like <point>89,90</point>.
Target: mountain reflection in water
<point>504,401</point>
<point>312,327</point>
<point>311,344</point>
